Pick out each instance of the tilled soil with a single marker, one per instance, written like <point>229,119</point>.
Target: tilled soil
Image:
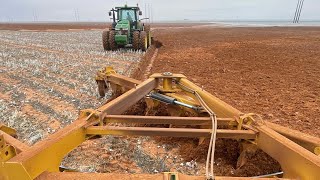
<point>274,71</point>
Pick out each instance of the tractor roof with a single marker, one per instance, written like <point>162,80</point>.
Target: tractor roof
<point>128,7</point>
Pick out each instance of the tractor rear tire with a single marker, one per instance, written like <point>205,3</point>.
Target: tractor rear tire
<point>112,41</point>
<point>147,29</point>
<point>135,40</point>
<point>143,41</point>
<point>105,40</point>
<point>102,88</point>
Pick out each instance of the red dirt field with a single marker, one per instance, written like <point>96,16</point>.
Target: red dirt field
<point>274,72</point>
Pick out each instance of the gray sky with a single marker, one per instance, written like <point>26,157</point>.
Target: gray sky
<point>163,10</point>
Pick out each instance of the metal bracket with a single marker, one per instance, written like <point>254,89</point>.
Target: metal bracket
<point>6,151</point>
<point>8,130</point>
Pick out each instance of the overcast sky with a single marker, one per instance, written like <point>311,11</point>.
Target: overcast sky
<point>163,10</point>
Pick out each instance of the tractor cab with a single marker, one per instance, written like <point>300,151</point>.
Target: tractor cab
<point>126,14</point>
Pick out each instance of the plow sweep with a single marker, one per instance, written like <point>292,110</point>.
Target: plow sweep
<point>297,153</point>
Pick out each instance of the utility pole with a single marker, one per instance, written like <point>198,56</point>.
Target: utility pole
<point>300,11</point>
<point>76,15</point>
<point>297,13</point>
<point>35,15</point>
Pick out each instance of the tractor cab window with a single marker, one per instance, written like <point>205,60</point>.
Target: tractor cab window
<point>127,14</point>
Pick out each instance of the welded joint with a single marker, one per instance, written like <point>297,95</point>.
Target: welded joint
<point>92,116</point>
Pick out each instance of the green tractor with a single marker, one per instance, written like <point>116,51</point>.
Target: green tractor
<point>126,30</point>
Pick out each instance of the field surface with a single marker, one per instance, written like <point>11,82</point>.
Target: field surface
<point>46,77</point>
<point>271,71</point>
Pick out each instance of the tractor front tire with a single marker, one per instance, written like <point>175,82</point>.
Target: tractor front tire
<point>105,40</point>
<point>143,41</point>
<point>135,40</point>
<point>112,41</point>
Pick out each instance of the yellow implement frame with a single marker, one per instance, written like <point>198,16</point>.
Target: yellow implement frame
<point>296,152</point>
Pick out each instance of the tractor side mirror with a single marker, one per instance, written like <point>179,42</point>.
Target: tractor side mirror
<point>140,13</point>
<point>110,13</point>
